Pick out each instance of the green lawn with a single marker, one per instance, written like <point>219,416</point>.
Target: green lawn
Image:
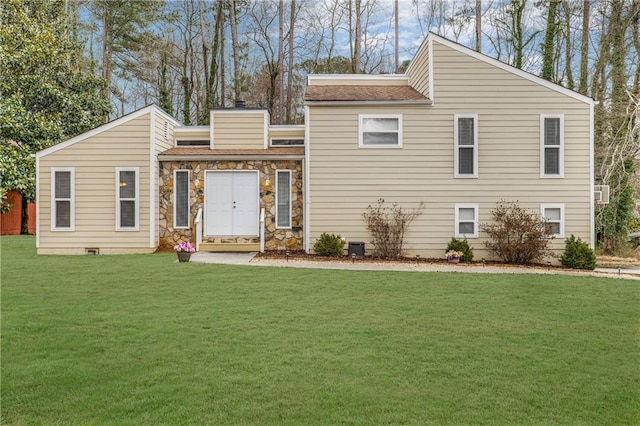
<point>143,339</point>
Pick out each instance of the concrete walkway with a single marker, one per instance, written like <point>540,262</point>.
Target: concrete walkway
<point>225,258</point>
<point>250,259</point>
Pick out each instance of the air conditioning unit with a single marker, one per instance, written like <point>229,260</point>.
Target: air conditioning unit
<point>601,194</point>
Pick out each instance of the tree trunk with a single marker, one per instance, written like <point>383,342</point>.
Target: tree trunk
<point>222,76</point>
<point>106,56</point>
<point>549,41</point>
<point>635,11</point>
<point>290,102</point>
<point>279,89</point>
<point>478,25</point>
<point>357,55</point>
<point>396,62</point>
<point>568,47</point>
<point>215,52</point>
<point>237,90</point>
<point>205,57</point>
<point>584,47</point>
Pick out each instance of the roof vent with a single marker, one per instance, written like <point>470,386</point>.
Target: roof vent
<point>240,104</point>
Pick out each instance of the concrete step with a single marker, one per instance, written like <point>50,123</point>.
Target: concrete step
<point>230,247</point>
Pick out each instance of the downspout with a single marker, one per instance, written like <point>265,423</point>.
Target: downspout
<point>38,205</point>
<point>307,185</point>
<point>153,179</point>
<point>592,243</point>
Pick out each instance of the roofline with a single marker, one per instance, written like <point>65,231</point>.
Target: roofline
<point>210,157</point>
<point>103,128</point>
<point>236,109</point>
<point>506,67</point>
<point>425,102</point>
<point>365,77</point>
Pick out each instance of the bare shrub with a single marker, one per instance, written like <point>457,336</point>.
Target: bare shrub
<point>388,226</point>
<point>517,235</point>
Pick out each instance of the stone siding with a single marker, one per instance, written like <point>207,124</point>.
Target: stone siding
<point>275,239</point>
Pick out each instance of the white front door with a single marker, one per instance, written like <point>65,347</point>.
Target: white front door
<point>231,200</point>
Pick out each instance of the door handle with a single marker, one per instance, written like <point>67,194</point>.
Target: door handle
<point>234,204</point>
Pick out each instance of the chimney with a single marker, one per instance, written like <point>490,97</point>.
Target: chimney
<point>240,104</point>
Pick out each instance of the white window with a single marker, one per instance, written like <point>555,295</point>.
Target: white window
<point>551,145</point>
<point>127,198</point>
<point>181,199</point>
<point>380,131</point>
<point>553,216</point>
<point>283,198</point>
<point>63,199</point>
<point>465,135</point>
<point>466,220</point>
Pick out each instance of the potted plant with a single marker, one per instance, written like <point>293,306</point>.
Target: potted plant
<point>184,250</point>
<point>453,256</point>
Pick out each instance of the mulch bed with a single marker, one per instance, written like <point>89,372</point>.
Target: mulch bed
<point>302,256</point>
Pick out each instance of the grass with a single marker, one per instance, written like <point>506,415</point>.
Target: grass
<point>142,339</point>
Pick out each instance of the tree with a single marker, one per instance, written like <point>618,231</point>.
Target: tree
<point>584,47</point>
<point>235,47</point>
<point>478,25</point>
<point>548,47</point>
<point>124,26</point>
<point>47,93</point>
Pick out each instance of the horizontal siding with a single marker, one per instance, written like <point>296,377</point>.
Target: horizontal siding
<point>95,160</point>
<point>239,130</point>
<point>191,135</point>
<point>419,72</point>
<point>286,134</point>
<point>345,179</point>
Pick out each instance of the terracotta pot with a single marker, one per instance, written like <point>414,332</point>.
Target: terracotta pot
<point>183,256</point>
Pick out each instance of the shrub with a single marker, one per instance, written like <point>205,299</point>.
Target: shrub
<point>329,245</point>
<point>461,246</point>
<point>388,226</point>
<point>517,236</point>
<point>577,254</point>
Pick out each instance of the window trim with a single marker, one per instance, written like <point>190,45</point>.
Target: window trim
<point>544,207</point>
<point>456,146</point>
<point>361,132</point>
<point>560,173</point>
<point>175,199</point>
<point>290,199</point>
<point>476,215</point>
<point>136,199</point>
<point>72,199</point>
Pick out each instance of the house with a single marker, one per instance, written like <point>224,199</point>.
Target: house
<point>459,131</point>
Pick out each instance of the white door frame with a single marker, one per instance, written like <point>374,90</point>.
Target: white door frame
<point>257,218</point>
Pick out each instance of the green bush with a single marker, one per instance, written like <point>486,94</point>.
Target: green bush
<point>329,245</point>
<point>577,254</point>
<point>463,246</point>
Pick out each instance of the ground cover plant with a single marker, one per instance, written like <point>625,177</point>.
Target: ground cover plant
<point>143,339</point>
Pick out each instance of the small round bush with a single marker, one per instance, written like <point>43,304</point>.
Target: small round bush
<point>329,245</point>
<point>463,246</point>
<point>577,254</point>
